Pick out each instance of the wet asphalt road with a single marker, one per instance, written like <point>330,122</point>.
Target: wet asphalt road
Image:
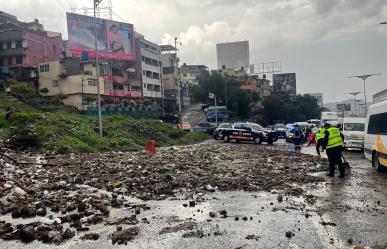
<point>355,207</point>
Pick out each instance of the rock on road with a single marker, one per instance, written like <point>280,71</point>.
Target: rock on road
<point>298,209</point>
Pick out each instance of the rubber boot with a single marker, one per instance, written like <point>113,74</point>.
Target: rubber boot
<point>342,171</point>
<point>331,170</point>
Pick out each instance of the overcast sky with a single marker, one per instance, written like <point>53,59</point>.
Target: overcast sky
<point>323,41</point>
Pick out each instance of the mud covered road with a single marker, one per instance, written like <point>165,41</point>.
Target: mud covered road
<point>210,195</point>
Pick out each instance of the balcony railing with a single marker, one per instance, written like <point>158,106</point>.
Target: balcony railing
<point>119,93</point>
<point>108,92</point>
<point>133,94</point>
<point>118,79</point>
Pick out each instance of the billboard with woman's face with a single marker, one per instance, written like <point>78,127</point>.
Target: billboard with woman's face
<point>115,40</point>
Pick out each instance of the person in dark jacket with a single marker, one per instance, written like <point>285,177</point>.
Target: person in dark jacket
<point>333,143</point>
<point>298,137</point>
<point>319,138</point>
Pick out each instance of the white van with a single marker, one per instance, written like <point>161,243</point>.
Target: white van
<point>353,131</point>
<point>375,139</point>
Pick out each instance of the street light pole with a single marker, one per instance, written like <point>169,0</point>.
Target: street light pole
<point>364,77</point>
<point>96,2</point>
<point>355,96</point>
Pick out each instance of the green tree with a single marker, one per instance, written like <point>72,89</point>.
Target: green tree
<point>298,108</point>
<point>238,100</point>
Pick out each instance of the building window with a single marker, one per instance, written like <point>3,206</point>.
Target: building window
<point>117,86</point>
<point>149,87</point>
<point>157,88</point>
<point>44,68</point>
<point>10,60</point>
<point>19,44</point>
<point>92,82</point>
<point>19,59</point>
<point>108,85</point>
<point>9,44</point>
<point>142,58</point>
<point>55,83</point>
<point>143,72</point>
<point>1,45</point>
<point>1,61</point>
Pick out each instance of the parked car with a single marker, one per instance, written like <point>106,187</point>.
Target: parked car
<point>280,129</point>
<point>185,126</point>
<point>206,127</point>
<point>170,118</point>
<point>221,127</point>
<point>249,132</point>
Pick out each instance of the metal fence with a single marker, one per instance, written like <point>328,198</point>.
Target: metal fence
<point>138,112</point>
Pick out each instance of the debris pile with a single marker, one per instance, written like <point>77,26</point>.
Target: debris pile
<point>69,193</point>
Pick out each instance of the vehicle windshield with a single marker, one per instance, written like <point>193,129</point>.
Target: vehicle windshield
<point>354,127</point>
<point>204,124</point>
<point>276,126</point>
<point>256,126</point>
<point>225,125</point>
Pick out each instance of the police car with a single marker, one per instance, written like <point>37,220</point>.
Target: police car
<point>250,132</point>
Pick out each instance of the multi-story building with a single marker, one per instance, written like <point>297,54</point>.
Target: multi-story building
<point>380,96</point>
<point>148,57</point>
<point>190,73</point>
<point>24,45</point>
<point>234,55</point>
<point>169,62</point>
<point>75,80</point>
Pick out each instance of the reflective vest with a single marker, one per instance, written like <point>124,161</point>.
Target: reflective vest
<point>320,134</point>
<point>335,139</point>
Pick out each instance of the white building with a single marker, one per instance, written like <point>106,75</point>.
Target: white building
<point>380,96</point>
<point>233,54</point>
<point>150,67</point>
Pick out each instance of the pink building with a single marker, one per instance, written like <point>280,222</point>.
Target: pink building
<point>23,47</point>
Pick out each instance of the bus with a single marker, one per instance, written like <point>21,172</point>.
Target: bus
<point>375,138</point>
<point>353,131</point>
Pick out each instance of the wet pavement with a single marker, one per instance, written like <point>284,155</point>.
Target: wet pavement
<point>327,213</point>
<point>194,114</point>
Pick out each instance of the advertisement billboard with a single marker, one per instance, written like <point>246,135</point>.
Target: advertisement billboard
<point>115,40</point>
<point>285,83</point>
<point>343,107</point>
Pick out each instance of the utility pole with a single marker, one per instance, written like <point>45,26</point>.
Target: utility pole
<point>96,2</point>
<point>364,77</point>
<point>162,90</point>
<point>178,85</point>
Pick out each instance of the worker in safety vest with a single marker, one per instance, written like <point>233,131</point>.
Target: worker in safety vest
<point>334,143</point>
<point>319,138</point>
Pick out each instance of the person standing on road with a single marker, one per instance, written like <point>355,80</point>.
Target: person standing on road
<point>319,138</point>
<point>334,143</point>
<point>297,137</point>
